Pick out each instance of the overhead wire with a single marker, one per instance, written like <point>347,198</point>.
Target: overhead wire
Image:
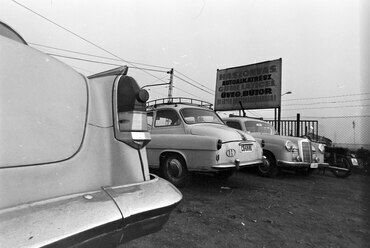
<point>316,103</point>
<point>79,36</point>
<point>323,97</point>
<point>212,90</point>
<point>189,93</point>
<point>192,84</point>
<point>96,56</point>
<point>103,49</point>
<point>105,63</point>
<point>351,106</point>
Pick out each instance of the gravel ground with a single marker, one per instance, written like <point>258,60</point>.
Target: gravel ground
<point>247,210</point>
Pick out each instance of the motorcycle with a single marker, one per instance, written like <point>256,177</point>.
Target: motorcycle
<point>341,161</point>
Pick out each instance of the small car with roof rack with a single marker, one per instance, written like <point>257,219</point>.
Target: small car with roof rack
<point>280,151</point>
<point>188,136</point>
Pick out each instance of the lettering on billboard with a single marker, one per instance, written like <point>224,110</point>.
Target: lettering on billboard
<point>256,86</point>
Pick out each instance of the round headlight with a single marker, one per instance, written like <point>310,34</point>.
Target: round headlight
<point>289,145</point>
<point>322,148</point>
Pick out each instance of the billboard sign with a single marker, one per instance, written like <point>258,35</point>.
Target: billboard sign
<point>256,86</point>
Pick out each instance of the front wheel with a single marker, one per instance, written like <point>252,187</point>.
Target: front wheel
<point>268,168</point>
<point>174,170</point>
<point>342,167</point>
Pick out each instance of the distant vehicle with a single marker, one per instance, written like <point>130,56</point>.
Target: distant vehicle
<point>73,161</point>
<point>188,136</point>
<point>280,151</point>
<point>341,160</point>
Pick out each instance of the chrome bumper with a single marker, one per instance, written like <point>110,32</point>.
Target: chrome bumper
<point>237,164</point>
<point>100,218</point>
<point>288,164</point>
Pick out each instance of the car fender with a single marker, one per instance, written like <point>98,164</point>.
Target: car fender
<point>187,146</point>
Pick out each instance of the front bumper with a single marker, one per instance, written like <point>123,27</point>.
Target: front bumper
<point>102,218</point>
<point>237,164</point>
<point>298,165</point>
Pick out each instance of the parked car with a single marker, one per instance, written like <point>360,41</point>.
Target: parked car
<point>188,136</point>
<point>280,151</point>
<point>73,161</point>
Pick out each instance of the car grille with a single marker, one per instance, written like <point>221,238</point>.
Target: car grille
<point>306,152</point>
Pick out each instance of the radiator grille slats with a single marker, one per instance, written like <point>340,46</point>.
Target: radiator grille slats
<point>306,152</point>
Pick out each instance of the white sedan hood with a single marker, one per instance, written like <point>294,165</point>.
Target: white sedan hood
<point>222,132</point>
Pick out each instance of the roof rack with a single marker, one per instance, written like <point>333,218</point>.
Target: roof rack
<point>178,100</point>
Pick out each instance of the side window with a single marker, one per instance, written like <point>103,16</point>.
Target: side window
<point>167,117</point>
<point>234,124</point>
<point>150,119</point>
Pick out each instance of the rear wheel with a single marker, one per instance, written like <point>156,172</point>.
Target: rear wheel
<point>268,168</point>
<point>344,167</point>
<point>174,170</point>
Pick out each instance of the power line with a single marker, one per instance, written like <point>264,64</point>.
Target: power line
<point>97,56</point>
<point>336,117</point>
<point>323,97</point>
<point>316,103</point>
<point>85,60</point>
<point>212,90</point>
<point>188,93</point>
<point>104,63</point>
<point>193,85</point>
<point>79,36</point>
<point>161,79</point>
<point>99,47</point>
<point>352,106</point>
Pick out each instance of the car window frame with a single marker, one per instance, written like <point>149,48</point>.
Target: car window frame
<point>178,122</point>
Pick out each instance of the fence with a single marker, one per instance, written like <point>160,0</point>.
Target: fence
<point>352,132</point>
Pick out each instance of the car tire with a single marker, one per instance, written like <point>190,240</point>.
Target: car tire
<point>174,170</point>
<point>268,168</point>
<point>342,162</point>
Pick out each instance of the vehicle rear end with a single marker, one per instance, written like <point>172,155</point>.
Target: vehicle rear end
<point>240,149</point>
<point>235,149</point>
<point>73,165</point>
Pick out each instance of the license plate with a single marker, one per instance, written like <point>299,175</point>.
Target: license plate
<point>314,165</point>
<point>354,161</point>
<point>246,147</point>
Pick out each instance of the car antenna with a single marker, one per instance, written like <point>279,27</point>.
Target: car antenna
<point>242,108</point>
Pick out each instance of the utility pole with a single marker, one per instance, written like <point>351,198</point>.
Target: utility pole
<point>170,88</point>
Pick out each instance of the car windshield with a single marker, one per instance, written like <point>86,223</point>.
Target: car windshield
<point>259,127</point>
<point>194,115</point>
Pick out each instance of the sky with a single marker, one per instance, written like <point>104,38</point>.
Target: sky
<point>322,44</point>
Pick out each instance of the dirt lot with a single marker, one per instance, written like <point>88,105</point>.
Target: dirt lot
<point>251,211</point>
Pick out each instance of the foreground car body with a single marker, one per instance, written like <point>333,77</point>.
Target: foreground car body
<point>188,136</point>
<point>73,162</point>
<point>281,151</point>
